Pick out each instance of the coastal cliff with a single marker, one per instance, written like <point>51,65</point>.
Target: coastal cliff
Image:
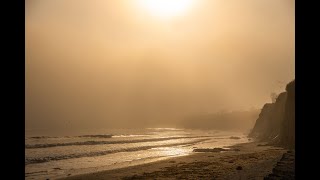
<point>268,125</point>
<point>287,135</point>
<point>276,122</point>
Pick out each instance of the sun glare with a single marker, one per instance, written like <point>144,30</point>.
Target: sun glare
<point>166,8</point>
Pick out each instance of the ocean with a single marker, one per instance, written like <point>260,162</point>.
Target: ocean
<point>60,156</point>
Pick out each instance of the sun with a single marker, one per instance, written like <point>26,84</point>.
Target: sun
<point>166,8</point>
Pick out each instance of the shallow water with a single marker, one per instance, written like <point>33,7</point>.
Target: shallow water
<point>59,156</point>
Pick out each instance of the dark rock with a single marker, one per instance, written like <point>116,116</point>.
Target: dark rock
<point>239,168</point>
<point>234,137</point>
<point>262,145</point>
<point>210,150</point>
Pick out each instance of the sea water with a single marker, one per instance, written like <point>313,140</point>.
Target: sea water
<point>60,156</point>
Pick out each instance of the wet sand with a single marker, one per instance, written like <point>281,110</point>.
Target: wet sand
<point>244,161</point>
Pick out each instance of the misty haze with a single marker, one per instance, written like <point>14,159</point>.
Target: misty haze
<point>168,89</point>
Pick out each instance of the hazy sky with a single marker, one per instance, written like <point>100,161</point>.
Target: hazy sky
<point>106,63</point>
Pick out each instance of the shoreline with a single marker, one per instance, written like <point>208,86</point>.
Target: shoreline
<point>249,161</point>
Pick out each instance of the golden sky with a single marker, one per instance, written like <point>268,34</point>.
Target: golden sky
<point>101,61</point>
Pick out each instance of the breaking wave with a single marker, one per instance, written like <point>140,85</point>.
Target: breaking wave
<point>101,153</point>
<point>33,146</point>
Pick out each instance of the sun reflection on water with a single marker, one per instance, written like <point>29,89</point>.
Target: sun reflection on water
<point>171,151</point>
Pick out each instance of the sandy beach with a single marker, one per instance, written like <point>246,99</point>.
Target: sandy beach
<point>244,161</point>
